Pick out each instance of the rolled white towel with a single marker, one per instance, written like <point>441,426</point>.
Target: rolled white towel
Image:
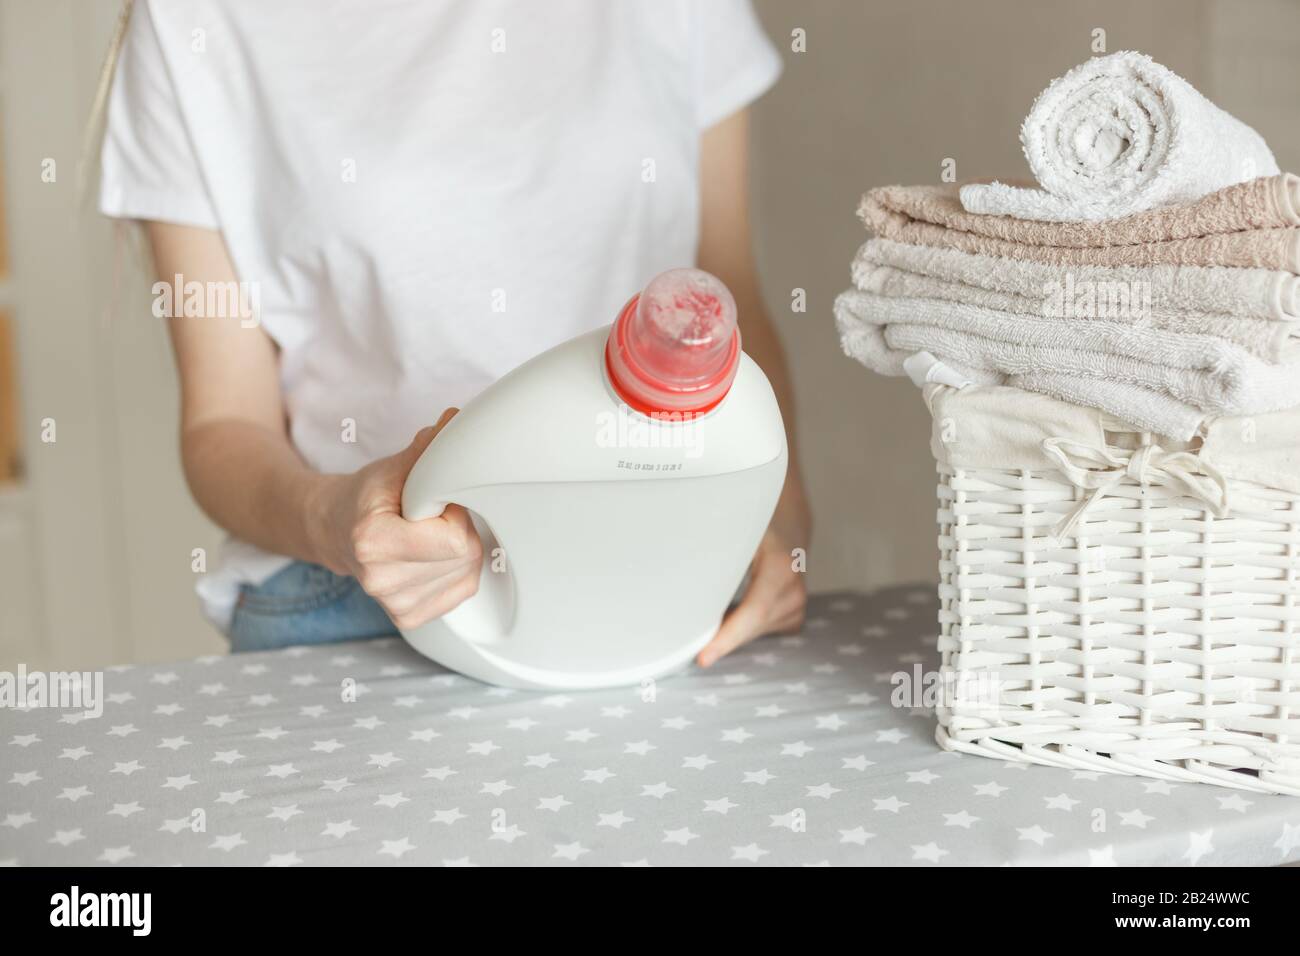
<point>1120,134</point>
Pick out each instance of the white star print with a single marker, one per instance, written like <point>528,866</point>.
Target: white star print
<point>615,820</point>
<point>74,754</point>
<point>554,804</point>
<point>227,843</point>
<point>227,756</point>
<point>25,778</point>
<point>337,786</point>
<point>961,819</point>
<point>1134,818</point>
<point>396,848</point>
<point>890,804</point>
<point>760,777</point>
<point>67,837</point>
<point>24,740</point>
<point>339,830</point>
<point>831,722</point>
<point>383,761</point>
<point>825,791</point>
<point>391,800</point>
<point>751,852</point>
<point>930,851</point>
<point>326,746</point>
<point>569,851</point>
<point>1103,857</point>
<point>283,859</point>
<point>482,748</point>
<point>581,736</point>
<point>991,789</point>
<point>447,817</point>
<point>496,787</point>
<point>116,854</point>
<point>856,835</point>
<point>891,736</point>
<point>796,749</point>
<point>125,809</point>
<point>179,783</point>
<point>658,790</point>
<point>921,776</point>
<point>1198,845</point>
<point>597,776</point>
<point>1289,840</point>
<point>697,763</point>
<point>721,805</point>
<point>18,820</point>
<point>639,748</point>
<point>424,735</point>
<point>681,837</point>
<point>439,773</point>
<point>74,793</point>
<point>859,762</point>
<point>1034,834</point>
<point>539,760</point>
<point>232,796</point>
<point>175,826</point>
<point>1235,802</point>
<point>281,770</point>
<point>1061,802</point>
<point>285,813</point>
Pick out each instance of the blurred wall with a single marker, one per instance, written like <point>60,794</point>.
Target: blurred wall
<point>886,90</point>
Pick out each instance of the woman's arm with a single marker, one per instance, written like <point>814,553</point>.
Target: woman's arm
<point>776,596</point>
<point>245,474</point>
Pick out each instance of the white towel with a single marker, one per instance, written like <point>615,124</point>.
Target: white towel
<point>1120,134</point>
<point>1154,379</point>
<point>1257,293</point>
<point>1126,302</point>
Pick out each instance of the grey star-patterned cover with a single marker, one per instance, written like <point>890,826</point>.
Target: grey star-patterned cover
<point>792,751</point>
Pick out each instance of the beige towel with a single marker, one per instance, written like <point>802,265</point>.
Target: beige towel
<point>1271,340</point>
<point>1250,225</point>
<point>1255,293</point>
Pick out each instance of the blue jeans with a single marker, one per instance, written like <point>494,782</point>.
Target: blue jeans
<point>305,604</point>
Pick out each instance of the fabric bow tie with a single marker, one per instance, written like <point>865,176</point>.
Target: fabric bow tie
<point>1097,470</point>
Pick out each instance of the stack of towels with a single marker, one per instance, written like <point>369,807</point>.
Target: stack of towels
<point>1154,273</point>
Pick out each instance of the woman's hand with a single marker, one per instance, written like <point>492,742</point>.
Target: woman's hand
<point>416,570</point>
<point>776,597</point>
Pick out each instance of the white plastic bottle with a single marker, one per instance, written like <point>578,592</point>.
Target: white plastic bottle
<point>621,483</point>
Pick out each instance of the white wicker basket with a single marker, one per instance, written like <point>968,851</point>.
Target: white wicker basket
<point>1098,613</point>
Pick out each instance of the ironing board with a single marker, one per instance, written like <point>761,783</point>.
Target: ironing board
<point>789,752</point>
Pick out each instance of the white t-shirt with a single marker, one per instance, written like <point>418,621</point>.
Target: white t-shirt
<point>421,195</point>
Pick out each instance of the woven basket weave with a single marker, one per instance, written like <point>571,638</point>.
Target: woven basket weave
<point>1154,638</point>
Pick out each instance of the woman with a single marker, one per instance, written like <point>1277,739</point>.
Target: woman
<point>417,196</point>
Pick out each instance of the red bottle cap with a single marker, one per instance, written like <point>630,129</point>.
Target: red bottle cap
<point>675,347</point>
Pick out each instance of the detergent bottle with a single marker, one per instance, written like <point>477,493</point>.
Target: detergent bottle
<point>621,483</point>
